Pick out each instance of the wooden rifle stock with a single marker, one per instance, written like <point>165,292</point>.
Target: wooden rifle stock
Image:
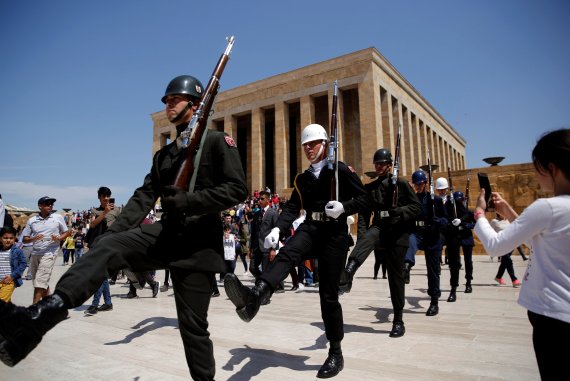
<point>396,169</point>
<point>192,136</point>
<point>333,144</point>
<point>431,187</point>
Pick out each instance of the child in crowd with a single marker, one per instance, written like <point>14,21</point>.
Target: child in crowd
<point>12,264</point>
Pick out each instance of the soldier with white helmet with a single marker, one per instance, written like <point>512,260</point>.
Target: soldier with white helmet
<point>323,235</point>
<point>450,236</point>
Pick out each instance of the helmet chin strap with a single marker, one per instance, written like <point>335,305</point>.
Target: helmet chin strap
<point>318,156</point>
<point>182,113</point>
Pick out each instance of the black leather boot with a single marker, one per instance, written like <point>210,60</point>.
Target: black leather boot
<point>334,362</point>
<point>468,288</point>
<point>398,329</point>
<point>22,328</point>
<point>247,300</point>
<point>347,275</point>
<point>452,295</point>
<point>433,308</point>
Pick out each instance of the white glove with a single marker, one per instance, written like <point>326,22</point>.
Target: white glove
<point>272,238</point>
<point>456,222</point>
<point>334,209</point>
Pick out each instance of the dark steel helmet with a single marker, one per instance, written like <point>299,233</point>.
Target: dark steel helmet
<point>184,84</point>
<point>458,195</point>
<point>419,177</point>
<point>382,155</point>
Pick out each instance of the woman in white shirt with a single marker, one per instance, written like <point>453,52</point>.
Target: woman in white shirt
<point>544,226</point>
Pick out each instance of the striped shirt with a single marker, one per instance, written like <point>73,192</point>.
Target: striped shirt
<point>5,263</point>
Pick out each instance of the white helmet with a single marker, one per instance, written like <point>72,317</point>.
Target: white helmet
<point>313,132</point>
<point>441,183</point>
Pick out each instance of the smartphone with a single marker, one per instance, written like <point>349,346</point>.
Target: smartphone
<point>112,200</point>
<point>485,184</point>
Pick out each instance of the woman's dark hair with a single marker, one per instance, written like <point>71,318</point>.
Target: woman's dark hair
<point>553,148</point>
<point>103,191</point>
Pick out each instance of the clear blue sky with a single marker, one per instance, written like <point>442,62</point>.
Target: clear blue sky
<point>79,80</point>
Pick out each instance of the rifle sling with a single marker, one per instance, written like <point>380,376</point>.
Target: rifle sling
<point>197,162</point>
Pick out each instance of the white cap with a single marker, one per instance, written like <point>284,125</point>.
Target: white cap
<point>441,183</point>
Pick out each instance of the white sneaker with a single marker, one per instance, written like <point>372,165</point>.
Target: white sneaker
<point>301,286</point>
<point>247,274</point>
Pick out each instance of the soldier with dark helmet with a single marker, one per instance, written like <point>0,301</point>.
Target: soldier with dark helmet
<point>425,236</point>
<point>323,235</point>
<point>187,240</point>
<point>388,231</point>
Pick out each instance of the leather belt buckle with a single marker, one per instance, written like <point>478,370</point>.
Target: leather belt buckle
<point>384,214</point>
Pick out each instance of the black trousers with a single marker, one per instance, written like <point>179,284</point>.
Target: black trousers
<point>454,260</point>
<point>551,360</point>
<point>394,259</point>
<point>141,251</point>
<point>328,242</point>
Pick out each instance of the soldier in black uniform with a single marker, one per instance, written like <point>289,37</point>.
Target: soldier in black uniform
<point>450,237</point>
<point>426,236</point>
<point>187,240</point>
<point>463,226</point>
<point>389,231</point>
<point>323,235</point>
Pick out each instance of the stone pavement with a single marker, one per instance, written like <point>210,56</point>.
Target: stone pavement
<point>482,336</point>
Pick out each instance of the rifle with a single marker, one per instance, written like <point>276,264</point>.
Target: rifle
<point>466,200</point>
<point>396,169</point>
<point>451,189</point>
<point>192,135</point>
<point>430,179</point>
<point>332,158</point>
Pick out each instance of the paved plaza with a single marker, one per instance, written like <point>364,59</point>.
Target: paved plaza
<point>482,336</point>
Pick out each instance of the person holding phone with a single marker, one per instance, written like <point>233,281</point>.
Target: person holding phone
<point>545,227</point>
<point>101,218</point>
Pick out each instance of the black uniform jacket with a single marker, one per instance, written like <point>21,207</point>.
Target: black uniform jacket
<point>220,184</point>
<point>396,222</point>
<point>312,194</point>
<point>433,217</point>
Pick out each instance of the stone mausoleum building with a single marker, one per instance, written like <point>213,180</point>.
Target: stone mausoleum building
<point>266,118</point>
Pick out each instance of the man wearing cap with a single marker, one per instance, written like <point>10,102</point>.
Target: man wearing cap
<point>187,240</point>
<point>388,231</point>
<point>44,231</point>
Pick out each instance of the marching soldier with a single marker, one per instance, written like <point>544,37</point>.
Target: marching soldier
<point>426,236</point>
<point>323,235</point>
<point>187,240</point>
<point>389,231</point>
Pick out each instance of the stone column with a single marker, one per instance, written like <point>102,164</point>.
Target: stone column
<point>371,125</point>
<point>282,170</point>
<point>256,151</point>
<point>307,117</point>
<point>230,126</point>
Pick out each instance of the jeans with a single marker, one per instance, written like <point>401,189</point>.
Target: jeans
<point>78,253</point>
<point>105,291</point>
